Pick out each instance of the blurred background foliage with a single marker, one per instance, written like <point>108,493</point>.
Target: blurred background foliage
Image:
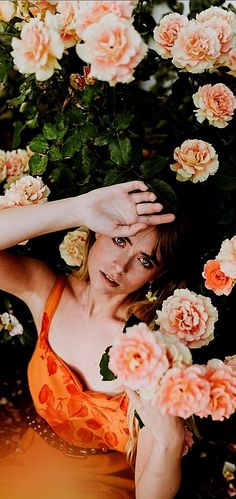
<point>86,134</point>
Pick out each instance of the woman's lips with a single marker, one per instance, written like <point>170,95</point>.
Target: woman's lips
<point>108,280</point>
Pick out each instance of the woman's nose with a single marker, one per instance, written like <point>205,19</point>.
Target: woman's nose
<point>120,265</point>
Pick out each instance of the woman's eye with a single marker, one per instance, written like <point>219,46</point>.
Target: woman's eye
<point>120,241</point>
<point>146,262</point>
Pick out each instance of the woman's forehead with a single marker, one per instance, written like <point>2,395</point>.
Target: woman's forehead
<point>145,239</point>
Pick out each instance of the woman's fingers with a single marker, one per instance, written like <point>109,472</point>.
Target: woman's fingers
<point>134,185</point>
<point>143,197</point>
<point>148,208</point>
<point>156,219</point>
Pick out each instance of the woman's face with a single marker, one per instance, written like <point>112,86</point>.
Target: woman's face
<point>122,265</point>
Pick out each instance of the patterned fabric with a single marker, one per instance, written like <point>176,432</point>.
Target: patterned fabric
<point>81,417</point>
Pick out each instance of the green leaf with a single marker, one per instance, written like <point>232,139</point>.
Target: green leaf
<point>124,119</point>
<point>39,144</point>
<point>16,140</point>
<point>55,131</point>
<point>103,139</point>
<point>54,153</point>
<point>153,166</point>
<point>3,71</point>
<point>38,164</point>
<point>106,373</point>
<point>165,194</point>
<point>71,145</point>
<point>120,150</point>
<point>114,177</point>
<point>88,131</point>
<point>132,321</point>
<point>17,101</point>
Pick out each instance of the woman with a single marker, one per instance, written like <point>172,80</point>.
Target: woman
<point>77,320</point>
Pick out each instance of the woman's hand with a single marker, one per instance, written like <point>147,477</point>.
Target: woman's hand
<point>168,431</point>
<point>118,210</point>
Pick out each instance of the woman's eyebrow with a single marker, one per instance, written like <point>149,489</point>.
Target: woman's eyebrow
<point>151,257</point>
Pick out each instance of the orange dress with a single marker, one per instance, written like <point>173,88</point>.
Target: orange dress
<point>82,418</point>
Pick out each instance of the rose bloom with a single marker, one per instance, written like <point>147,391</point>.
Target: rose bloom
<point>177,353</point>
<point>39,8</point>
<point>38,49</point>
<point>72,248</point>
<point>216,12</point>
<point>167,32</point>
<point>195,161</point>
<point>227,257</point>
<point>91,12</point>
<point>216,280</point>
<point>7,11</point>
<point>196,48</point>
<point>10,323</point>
<point>225,35</point>
<point>216,103</point>
<point>17,163</point>
<point>230,61</point>
<point>183,391</point>
<point>188,316</point>
<point>27,190</point>
<point>113,48</point>
<point>3,170</point>
<point>231,361</point>
<point>222,401</point>
<point>137,359</point>
<point>68,18</point>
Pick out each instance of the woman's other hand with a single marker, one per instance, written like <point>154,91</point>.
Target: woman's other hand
<point>123,209</point>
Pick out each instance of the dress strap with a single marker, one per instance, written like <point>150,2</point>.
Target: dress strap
<point>53,300</point>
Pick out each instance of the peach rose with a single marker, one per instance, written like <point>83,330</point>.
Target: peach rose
<point>39,8</point>
<point>3,170</point>
<point>222,401</point>
<point>195,161</point>
<point>7,11</point>
<point>72,248</point>
<point>188,316</point>
<point>137,358</point>
<point>216,280</point>
<point>184,392</point>
<point>167,32</point>
<point>17,163</point>
<point>113,48</point>
<point>216,103</point>
<point>9,323</point>
<point>27,190</point>
<point>216,12</point>
<point>227,257</point>
<point>91,12</point>
<point>68,18</point>
<point>231,361</point>
<point>38,49</point>
<point>230,61</point>
<point>196,48</point>
<point>225,35</point>
<point>177,353</point>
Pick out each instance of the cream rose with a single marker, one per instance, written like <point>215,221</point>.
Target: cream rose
<point>166,33</point>
<point>3,170</point>
<point>216,12</point>
<point>27,190</point>
<point>196,48</point>
<point>227,257</point>
<point>68,18</point>
<point>190,317</point>
<point>195,161</point>
<point>230,61</point>
<point>10,323</point>
<point>216,103</point>
<point>177,353</point>
<point>38,49</point>
<point>91,12</point>
<point>7,10</point>
<point>113,48</point>
<point>72,248</point>
<point>17,163</point>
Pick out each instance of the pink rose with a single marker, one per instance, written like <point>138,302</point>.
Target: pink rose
<point>68,19</point>
<point>113,48</point>
<point>72,248</point>
<point>231,361</point>
<point>195,161</point>
<point>222,401</point>
<point>188,316</point>
<point>17,163</point>
<point>38,49</point>
<point>216,280</point>
<point>225,36</point>
<point>196,48</point>
<point>3,170</point>
<point>27,190</point>
<point>183,392</point>
<point>230,61</point>
<point>7,11</point>
<point>177,353</point>
<point>167,32</point>
<point>91,12</point>
<point>137,358</point>
<point>216,103</point>
<point>227,257</point>
<point>218,13</point>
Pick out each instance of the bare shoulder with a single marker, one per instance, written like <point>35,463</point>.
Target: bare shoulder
<point>27,278</point>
